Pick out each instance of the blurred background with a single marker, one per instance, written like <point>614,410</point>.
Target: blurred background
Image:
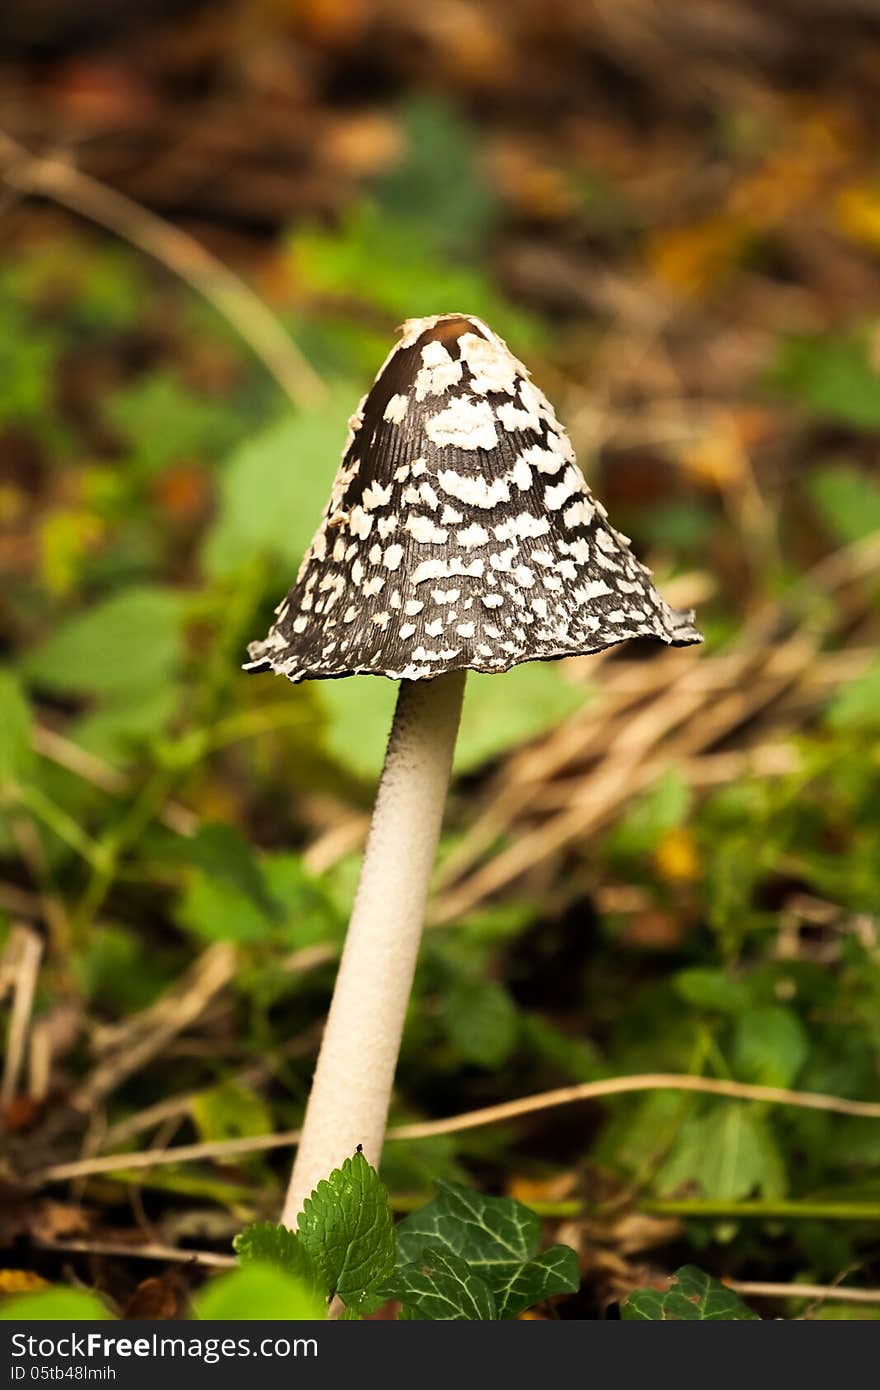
<point>212,219</point>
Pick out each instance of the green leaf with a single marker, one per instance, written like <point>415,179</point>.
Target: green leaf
<point>728,1152</point>
<point>438,172</point>
<point>692,1296</point>
<point>770,1046</point>
<point>835,377</point>
<point>267,1244</point>
<point>346,1227</point>
<point>214,911</point>
<point>132,718</point>
<point>192,426</point>
<point>494,1238</point>
<point>712,989</point>
<point>259,1293</point>
<point>489,1233</point>
<point>847,501</point>
<point>230,1110</point>
<point>15,729</point>
<point>481,1021</point>
<point>857,704</point>
<point>442,1288</point>
<point>503,712</point>
<point>500,712</point>
<point>48,1305</point>
<point>373,258</point>
<point>225,856</point>
<point>121,647</point>
<point>660,810</point>
<point>275,488</point>
<point>552,1272</point>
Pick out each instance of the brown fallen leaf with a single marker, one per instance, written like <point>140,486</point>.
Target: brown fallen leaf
<point>158,1298</point>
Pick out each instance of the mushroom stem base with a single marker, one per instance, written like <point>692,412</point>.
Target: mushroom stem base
<point>353,1079</point>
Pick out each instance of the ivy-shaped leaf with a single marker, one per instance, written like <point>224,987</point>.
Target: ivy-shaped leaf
<point>443,1288</point>
<point>487,1232</point>
<point>692,1296</point>
<point>497,1238</point>
<point>347,1230</point>
<point>553,1271</point>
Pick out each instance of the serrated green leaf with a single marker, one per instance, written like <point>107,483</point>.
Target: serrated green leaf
<point>258,1293</point>
<point>49,1305</point>
<point>692,1296</point>
<point>443,1288</point>
<point>121,647</point>
<point>269,1244</point>
<point>552,1272</point>
<point>481,1021</point>
<point>347,1229</point>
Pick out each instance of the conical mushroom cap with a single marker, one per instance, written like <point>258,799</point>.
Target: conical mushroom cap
<point>460,533</point>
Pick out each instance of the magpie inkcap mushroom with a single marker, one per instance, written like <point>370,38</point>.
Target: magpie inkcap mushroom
<point>459,535</point>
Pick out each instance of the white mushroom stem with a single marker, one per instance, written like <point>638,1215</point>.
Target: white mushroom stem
<point>352,1084</point>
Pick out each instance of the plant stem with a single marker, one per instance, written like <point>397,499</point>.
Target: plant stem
<point>769,1210</point>
<point>355,1072</point>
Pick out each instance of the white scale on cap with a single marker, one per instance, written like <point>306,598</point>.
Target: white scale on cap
<point>458,487</point>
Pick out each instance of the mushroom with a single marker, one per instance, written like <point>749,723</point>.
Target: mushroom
<point>459,536</point>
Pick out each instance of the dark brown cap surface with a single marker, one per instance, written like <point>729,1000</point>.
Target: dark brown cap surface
<point>460,533</point>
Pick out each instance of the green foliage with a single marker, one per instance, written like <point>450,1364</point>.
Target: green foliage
<point>346,1228</point>
<point>258,1293</point>
<point>290,906</point>
<point>193,426</point>
<point>727,1152</point>
<point>227,861</point>
<point>230,1110</point>
<point>857,705</point>
<point>833,376</point>
<point>130,642</point>
<point>464,1256</point>
<point>769,1046</point>
<point>267,1244</point>
<point>847,501</point>
<point>500,712</point>
<point>15,730</point>
<point>438,171</point>
<point>481,1021</point>
<point>495,1239</point>
<point>443,1288</point>
<point>275,487</point>
<point>53,1305</point>
<point>692,1296</point>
